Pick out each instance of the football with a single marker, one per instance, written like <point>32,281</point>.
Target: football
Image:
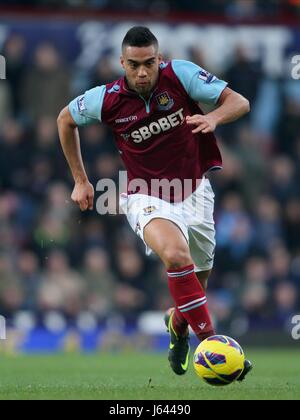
<point>219,360</point>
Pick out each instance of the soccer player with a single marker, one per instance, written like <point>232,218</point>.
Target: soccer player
<point>162,134</point>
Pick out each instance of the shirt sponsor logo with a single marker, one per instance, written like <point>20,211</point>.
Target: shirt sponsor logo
<point>165,103</point>
<point>126,120</point>
<point>206,76</point>
<point>158,127</point>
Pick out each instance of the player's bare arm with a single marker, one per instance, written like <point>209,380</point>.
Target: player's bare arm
<point>232,106</point>
<point>83,193</point>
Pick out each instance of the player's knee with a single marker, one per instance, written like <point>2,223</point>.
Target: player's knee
<point>176,257</point>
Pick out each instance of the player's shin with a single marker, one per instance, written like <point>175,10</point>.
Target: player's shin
<point>190,300</point>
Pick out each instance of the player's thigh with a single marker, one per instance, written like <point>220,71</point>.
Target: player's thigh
<point>167,240</point>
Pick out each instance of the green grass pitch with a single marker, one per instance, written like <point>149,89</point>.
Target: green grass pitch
<point>120,376</point>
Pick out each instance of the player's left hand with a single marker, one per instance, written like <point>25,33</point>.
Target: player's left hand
<point>204,123</point>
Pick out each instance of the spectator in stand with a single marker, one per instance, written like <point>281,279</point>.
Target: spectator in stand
<point>268,225</point>
<point>14,53</point>
<point>97,141</point>
<point>30,278</point>
<point>100,283</point>
<point>11,288</point>
<point>291,6</point>
<point>234,231</point>
<point>244,75</point>
<point>249,151</point>
<point>45,146</point>
<point>62,288</point>
<point>51,77</point>
<point>255,293</point>
<point>132,295</point>
<point>283,183</point>
<point>5,102</point>
<point>252,9</point>
<point>14,151</point>
<point>286,298</point>
<point>103,72</point>
<point>291,223</point>
<point>289,121</point>
<point>280,264</point>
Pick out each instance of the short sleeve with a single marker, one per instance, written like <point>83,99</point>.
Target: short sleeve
<point>86,109</point>
<point>199,84</point>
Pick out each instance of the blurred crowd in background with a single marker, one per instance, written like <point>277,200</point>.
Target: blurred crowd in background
<point>54,258</point>
<point>237,9</point>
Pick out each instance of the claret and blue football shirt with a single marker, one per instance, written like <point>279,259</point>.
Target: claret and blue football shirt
<point>152,136</point>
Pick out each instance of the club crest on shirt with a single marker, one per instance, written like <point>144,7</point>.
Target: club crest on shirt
<point>164,101</point>
<point>149,210</point>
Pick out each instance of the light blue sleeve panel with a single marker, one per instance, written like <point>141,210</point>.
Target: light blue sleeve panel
<point>199,84</point>
<point>86,109</point>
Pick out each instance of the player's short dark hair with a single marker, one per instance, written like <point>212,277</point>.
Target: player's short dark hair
<point>139,36</point>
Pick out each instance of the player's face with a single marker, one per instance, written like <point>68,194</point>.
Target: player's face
<point>141,66</point>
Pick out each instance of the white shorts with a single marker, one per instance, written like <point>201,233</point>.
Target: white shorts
<point>194,217</point>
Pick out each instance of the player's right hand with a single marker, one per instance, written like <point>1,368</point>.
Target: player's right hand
<point>83,195</point>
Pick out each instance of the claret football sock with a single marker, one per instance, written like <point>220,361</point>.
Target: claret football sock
<point>190,300</point>
<point>180,324</point>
